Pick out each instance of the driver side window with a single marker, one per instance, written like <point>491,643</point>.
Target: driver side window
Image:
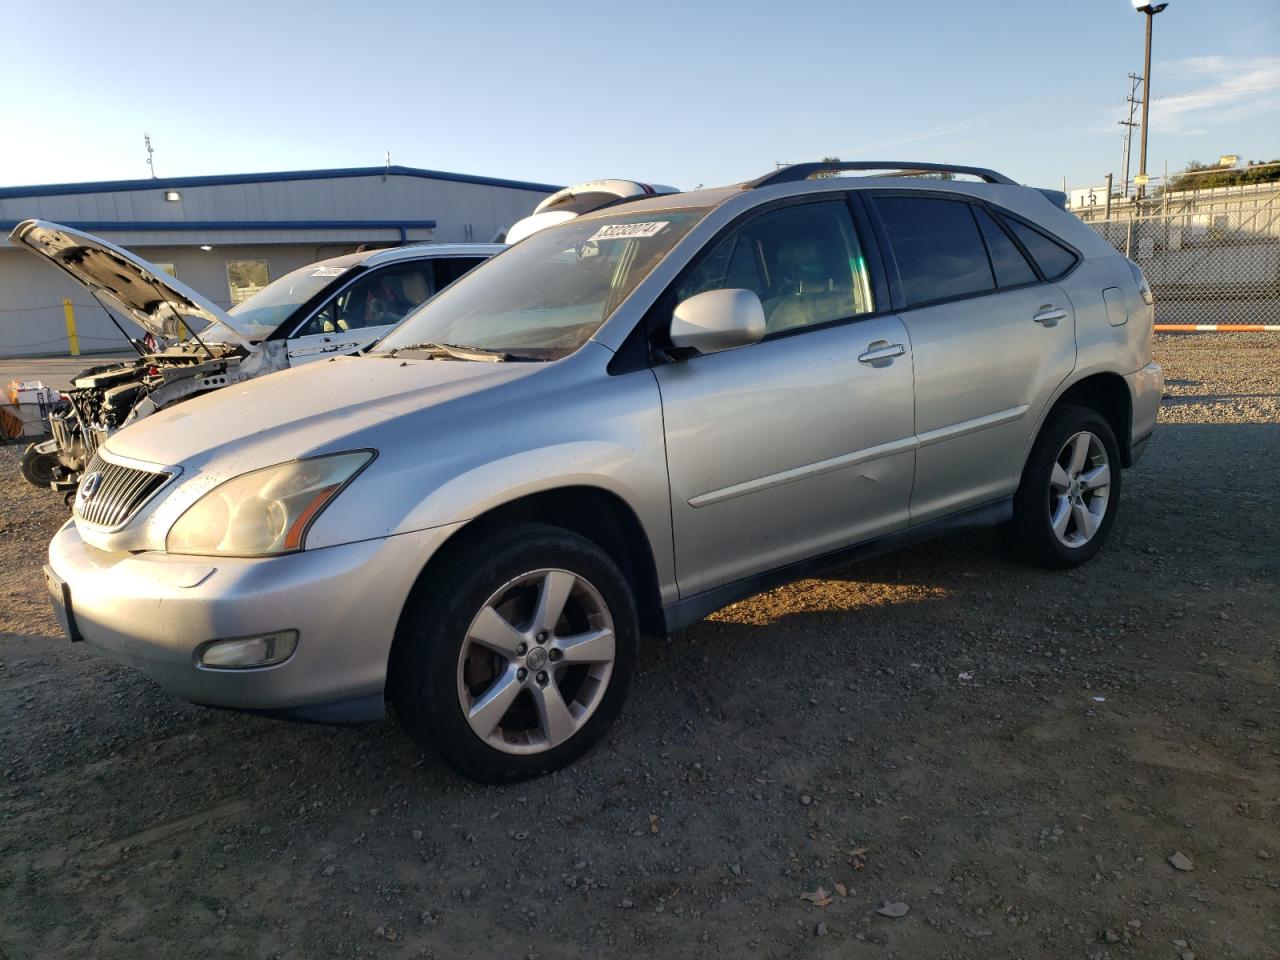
<point>378,299</point>
<point>804,262</point>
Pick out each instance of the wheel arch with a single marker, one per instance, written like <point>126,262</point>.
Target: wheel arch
<point>1106,392</point>
<point>592,512</point>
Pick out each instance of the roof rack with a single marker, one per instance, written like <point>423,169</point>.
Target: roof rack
<point>805,171</point>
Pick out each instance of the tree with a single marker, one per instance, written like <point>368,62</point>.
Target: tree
<point>828,174</point>
<point>1205,176</point>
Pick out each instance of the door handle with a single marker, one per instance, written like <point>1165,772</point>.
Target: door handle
<point>1049,315</point>
<point>881,350</point>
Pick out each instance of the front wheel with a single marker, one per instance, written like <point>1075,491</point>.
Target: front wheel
<point>1070,489</point>
<point>517,658</point>
<point>40,469</point>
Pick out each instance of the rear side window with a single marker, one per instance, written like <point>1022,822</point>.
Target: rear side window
<point>1010,265</point>
<point>1052,257</point>
<point>937,246</point>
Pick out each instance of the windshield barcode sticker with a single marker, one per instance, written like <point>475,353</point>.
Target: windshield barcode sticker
<point>627,231</point>
<point>329,272</point>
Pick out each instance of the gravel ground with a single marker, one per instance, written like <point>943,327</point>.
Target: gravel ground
<point>1011,754</point>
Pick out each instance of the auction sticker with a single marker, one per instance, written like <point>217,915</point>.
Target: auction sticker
<point>329,272</point>
<point>627,231</point>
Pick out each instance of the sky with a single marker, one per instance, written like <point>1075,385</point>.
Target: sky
<point>683,93</point>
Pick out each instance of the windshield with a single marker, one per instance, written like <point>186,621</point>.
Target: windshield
<point>545,297</point>
<point>257,317</point>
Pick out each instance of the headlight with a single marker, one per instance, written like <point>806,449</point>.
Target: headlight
<point>266,511</point>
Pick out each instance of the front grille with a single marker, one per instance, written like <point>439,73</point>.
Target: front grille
<point>117,494</point>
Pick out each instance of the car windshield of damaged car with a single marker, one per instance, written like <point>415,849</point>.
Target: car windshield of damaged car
<point>544,297</point>
<point>257,317</point>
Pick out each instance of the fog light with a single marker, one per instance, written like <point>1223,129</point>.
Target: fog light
<point>263,651</point>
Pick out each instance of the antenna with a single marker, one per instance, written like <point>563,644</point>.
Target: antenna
<point>146,137</point>
<point>387,169</point>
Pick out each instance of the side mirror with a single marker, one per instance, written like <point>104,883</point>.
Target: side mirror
<point>717,320</point>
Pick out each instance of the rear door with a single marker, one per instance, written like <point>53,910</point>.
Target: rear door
<point>992,339</point>
<point>801,443</point>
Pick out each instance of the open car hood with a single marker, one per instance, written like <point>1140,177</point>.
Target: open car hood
<point>135,288</point>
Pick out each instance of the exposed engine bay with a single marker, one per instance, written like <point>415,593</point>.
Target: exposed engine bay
<point>173,364</point>
<point>106,398</point>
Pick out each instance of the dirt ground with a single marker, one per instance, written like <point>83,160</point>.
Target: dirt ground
<point>1012,754</point>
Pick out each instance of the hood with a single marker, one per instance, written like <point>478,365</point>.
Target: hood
<point>303,410</point>
<point>136,289</point>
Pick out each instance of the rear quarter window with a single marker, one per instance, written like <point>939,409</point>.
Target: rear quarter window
<point>937,246</point>
<point>1010,265</point>
<point>1054,259</point>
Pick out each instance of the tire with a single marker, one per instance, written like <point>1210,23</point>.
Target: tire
<point>440,673</point>
<point>1063,510</point>
<point>39,469</point>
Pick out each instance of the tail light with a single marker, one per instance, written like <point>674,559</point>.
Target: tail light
<point>1144,288</point>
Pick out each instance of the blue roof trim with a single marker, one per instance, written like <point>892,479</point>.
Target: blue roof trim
<point>175,226</point>
<point>229,179</point>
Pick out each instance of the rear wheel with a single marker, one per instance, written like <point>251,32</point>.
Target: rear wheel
<point>40,469</point>
<point>1070,489</point>
<point>517,659</point>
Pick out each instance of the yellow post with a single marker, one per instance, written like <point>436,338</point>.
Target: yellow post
<point>72,337</point>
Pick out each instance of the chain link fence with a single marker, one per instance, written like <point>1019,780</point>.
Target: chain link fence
<point>1211,256</point>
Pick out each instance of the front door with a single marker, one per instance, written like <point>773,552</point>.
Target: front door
<point>801,443</point>
<point>363,311</point>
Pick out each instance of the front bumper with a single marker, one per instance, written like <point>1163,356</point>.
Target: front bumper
<point>1146,388</point>
<point>151,611</point>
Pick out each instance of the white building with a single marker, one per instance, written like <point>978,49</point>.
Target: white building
<point>227,236</point>
<point>1082,198</point>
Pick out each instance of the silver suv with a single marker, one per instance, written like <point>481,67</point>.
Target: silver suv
<point>619,424</point>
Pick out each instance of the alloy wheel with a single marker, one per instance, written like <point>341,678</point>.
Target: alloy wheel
<point>1079,489</point>
<point>536,661</point>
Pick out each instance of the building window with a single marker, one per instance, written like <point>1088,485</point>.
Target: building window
<point>168,268</point>
<point>245,278</point>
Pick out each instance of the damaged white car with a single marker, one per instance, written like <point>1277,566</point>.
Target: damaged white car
<point>191,345</point>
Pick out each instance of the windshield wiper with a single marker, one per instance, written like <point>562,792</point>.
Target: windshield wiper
<point>454,350</point>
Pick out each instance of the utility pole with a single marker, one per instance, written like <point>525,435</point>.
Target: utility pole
<point>1110,182</point>
<point>1129,124</point>
<point>1150,9</point>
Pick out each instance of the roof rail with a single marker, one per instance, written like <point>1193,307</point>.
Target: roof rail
<point>805,171</point>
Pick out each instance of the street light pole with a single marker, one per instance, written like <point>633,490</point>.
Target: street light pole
<point>1150,9</point>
